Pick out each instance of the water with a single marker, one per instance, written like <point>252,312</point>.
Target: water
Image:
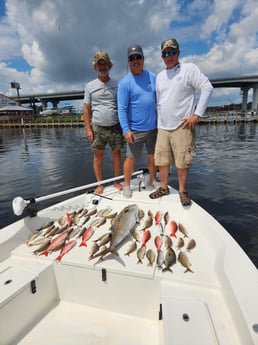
<point>223,179</point>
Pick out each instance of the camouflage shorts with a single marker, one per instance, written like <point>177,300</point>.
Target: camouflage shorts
<point>107,135</point>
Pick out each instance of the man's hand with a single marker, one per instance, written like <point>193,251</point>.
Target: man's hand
<point>190,122</point>
<point>129,137</point>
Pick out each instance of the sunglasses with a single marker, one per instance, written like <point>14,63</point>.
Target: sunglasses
<point>169,53</point>
<point>135,57</point>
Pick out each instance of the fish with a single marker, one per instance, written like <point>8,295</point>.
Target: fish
<point>184,261</point>
<point>66,219</point>
<point>104,239</point>
<point>104,212</point>
<point>111,215</point>
<point>87,234</point>
<point>43,246</point>
<point>169,260</point>
<point>66,248</point>
<point>168,242</point>
<point>124,223</point>
<point>150,255</point>
<point>136,235</point>
<point>145,237</point>
<point>98,222</point>
<point>140,254</point>
<point>131,248</point>
<point>158,217</point>
<point>158,243</point>
<point>172,225</point>
<point>160,259</point>
<point>60,239</point>
<point>147,223</point>
<point>180,243</point>
<point>150,214</point>
<point>183,230</point>
<point>191,245</point>
<point>92,212</point>
<point>94,248</point>
<point>166,218</point>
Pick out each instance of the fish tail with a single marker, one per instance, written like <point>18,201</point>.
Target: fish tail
<point>139,261</point>
<point>173,235</point>
<point>44,253</point>
<point>83,244</point>
<point>167,269</point>
<point>188,270</point>
<point>59,258</point>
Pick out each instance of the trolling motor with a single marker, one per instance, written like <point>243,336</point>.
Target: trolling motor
<point>19,205</point>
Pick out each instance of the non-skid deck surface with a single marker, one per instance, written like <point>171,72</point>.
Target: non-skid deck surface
<point>82,325</point>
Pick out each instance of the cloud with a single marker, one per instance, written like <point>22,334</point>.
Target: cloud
<point>56,40</point>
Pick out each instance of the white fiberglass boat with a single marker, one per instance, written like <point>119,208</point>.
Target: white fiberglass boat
<point>124,271</point>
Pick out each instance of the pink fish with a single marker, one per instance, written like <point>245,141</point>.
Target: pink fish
<point>145,237</point>
<point>56,241</point>
<point>172,225</point>
<point>66,248</point>
<point>86,236</point>
<point>68,218</point>
<point>158,217</point>
<point>158,243</point>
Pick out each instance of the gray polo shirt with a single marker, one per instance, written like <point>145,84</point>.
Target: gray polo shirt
<point>103,100</point>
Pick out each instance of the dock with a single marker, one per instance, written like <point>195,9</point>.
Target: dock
<point>212,118</point>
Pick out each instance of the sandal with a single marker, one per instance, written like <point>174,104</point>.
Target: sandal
<point>159,193</point>
<point>184,198</point>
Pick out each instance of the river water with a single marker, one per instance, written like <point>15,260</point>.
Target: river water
<point>223,180</point>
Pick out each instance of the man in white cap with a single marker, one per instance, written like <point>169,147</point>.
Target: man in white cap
<point>177,117</point>
<point>101,119</point>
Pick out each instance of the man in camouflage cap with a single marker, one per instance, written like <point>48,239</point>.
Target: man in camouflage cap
<point>100,117</point>
<point>177,116</point>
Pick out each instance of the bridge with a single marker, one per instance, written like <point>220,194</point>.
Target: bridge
<point>243,82</point>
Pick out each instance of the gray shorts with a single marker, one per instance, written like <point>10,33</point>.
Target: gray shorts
<point>147,137</point>
<point>107,135</point>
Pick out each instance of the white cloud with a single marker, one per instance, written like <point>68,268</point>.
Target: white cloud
<point>58,38</point>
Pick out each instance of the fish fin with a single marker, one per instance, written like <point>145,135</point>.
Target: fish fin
<point>114,251</point>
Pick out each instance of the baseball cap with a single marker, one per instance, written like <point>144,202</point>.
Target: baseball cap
<point>101,55</point>
<point>169,43</point>
<point>135,50</point>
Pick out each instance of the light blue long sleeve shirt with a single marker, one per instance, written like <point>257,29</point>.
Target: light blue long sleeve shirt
<point>136,99</point>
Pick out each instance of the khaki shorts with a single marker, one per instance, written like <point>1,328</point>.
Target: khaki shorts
<point>107,135</point>
<point>175,147</point>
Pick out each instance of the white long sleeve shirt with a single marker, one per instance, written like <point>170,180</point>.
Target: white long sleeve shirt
<point>176,89</point>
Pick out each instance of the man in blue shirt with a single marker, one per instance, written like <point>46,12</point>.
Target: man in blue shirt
<point>137,115</point>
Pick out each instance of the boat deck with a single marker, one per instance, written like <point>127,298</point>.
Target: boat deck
<point>119,300</point>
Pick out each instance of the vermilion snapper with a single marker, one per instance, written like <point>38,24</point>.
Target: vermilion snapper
<point>86,236</point>
<point>145,237</point>
<point>55,242</point>
<point>172,225</point>
<point>158,217</point>
<point>66,248</point>
<point>158,243</point>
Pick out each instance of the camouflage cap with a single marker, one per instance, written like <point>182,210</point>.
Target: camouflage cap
<point>101,55</point>
<point>169,43</point>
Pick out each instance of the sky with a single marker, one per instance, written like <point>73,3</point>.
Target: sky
<point>48,45</point>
